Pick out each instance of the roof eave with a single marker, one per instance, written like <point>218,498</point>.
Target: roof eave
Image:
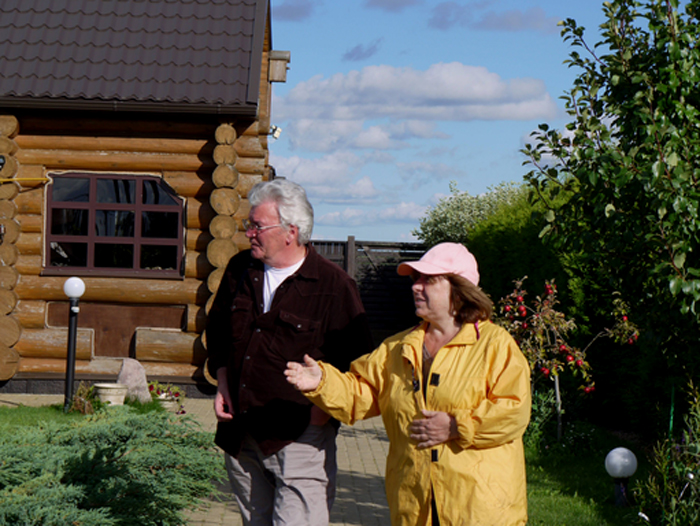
<point>243,110</point>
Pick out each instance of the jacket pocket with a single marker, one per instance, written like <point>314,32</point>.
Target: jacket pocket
<point>296,336</point>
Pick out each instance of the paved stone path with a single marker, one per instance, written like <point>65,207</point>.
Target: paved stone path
<point>362,451</point>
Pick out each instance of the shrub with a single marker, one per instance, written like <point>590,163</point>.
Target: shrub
<point>111,468</point>
<point>670,495</point>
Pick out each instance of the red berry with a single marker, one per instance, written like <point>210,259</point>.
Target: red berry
<point>630,341</point>
<point>524,325</point>
<point>579,363</point>
<point>507,308</point>
<point>588,390</point>
<point>545,371</point>
<point>569,358</point>
<point>562,348</point>
<point>520,299</point>
<point>624,318</point>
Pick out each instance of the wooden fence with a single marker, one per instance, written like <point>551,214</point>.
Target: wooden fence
<point>386,296</point>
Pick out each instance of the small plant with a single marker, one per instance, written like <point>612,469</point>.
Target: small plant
<point>671,494</point>
<point>168,393</point>
<point>84,400</point>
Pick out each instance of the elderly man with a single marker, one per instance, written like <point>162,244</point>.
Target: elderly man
<point>277,302</point>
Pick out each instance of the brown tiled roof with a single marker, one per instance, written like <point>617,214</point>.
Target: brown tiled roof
<point>136,55</point>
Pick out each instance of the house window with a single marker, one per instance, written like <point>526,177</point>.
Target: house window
<point>113,224</point>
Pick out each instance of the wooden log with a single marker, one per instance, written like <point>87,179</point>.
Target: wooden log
<point>220,251</point>
<point>8,254</point>
<point>10,330</point>
<point>189,184</point>
<point>250,165</point>
<point>53,343</point>
<point>29,243</point>
<point>8,209</point>
<point>8,301</point>
<point>197,265</point>
<point>249,146</point>
<point>30,202</point>
<point>223,227</point>
<point>31,314</point>
<point>9,363</point>
<point>225,176</point>
<point>29,264</point>
<point>30,222</point>
<point>196,319</point>
<point>214,279</point>
<point>9,190</point>
<point>242,213</point>
<point>199,213</point>
<point>210,302</point>
<point>225,134</point>
<point>9,126</point>
<point>126,126</point>
<point>12,230</point>
<point>8,277</point>
<point>225,201</point>
<point>241,241</point>
<point>246,182</point>
<point>161,345</point>
<point>115,144</point>
<point>9,169</point>
<point>33,172</point>
<point>251,129</point>
<point>89,160</point>
<point>196,239</point>
<point>122,290</point>
<point>97,366</point>
<point>224,154</point>
<point>7,146</point>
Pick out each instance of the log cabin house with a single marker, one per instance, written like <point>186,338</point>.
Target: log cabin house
<point>130,133</point>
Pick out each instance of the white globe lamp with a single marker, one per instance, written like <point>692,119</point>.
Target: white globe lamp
<point>621,464</point>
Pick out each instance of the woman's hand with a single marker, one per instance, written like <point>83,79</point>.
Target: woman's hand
<point>304,377</point>
<point>437,427</point>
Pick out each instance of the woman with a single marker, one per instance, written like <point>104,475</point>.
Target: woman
<point>454,395</point>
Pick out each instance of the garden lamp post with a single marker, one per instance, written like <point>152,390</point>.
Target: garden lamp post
<point>621,464</point>
<point>73,288</point>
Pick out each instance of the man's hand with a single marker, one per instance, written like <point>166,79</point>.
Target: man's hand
<point>437,427</point>
<point>223,408</point>
<point>304,377</point>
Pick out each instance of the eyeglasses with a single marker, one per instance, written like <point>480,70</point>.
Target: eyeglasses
<point>249,225</point>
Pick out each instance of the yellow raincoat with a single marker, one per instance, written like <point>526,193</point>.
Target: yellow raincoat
<point>483,380</point>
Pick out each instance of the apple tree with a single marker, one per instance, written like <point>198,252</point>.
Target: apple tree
<point>628,163</point>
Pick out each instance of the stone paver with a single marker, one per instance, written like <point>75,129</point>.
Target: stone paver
<point>362,450</point>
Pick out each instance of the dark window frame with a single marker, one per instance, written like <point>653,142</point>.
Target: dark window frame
<point>137,241</point>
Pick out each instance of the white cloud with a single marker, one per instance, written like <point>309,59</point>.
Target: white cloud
<point>443,92</point>
<point>445,15</point>
<point>328,179</point>
<point>401,213</point>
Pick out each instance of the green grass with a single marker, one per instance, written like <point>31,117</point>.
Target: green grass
<point>568,484</point>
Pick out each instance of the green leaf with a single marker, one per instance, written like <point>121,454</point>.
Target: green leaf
<point>679,259</point>
<point>609,210</point>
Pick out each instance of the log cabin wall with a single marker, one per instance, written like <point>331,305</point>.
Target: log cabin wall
<point>210,165</point>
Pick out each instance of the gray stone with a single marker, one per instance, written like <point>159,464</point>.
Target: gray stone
<point>133,375</point>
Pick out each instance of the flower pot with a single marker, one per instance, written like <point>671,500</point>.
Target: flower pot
<point>170,404</point>
<point>113,394</point>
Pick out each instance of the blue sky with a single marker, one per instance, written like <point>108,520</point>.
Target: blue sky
<point>387,101</point>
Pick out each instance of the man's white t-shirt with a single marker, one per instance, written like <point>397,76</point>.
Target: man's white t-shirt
<point>273,279</point>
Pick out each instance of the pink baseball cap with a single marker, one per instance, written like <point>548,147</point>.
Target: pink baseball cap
<point>445,258</point>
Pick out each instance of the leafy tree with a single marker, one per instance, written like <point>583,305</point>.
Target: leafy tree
<point>628,165</point>
<point>454,217</point>
<point>630,158</point>
<point>501,228</point>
